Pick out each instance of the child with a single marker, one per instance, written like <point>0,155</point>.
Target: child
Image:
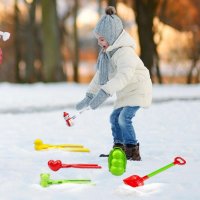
<point>120,71</point>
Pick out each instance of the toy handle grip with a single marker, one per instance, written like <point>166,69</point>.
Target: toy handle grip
<point>179,161</point>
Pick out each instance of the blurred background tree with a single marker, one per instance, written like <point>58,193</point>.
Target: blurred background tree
<point>185,16</point>
<point>145,13</point>
<point>52,68</point>
<point>53,40</point>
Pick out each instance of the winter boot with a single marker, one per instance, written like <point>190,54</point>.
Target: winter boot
<point>132,152</point>
<point>119,145</point>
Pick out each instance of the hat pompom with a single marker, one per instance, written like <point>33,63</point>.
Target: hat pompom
<point>110,10</point>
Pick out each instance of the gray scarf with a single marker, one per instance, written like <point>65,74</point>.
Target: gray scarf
<point>104,64</point>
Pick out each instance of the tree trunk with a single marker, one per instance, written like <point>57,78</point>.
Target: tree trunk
<point>156,64</point>
<point>76,45</point>
<point>52,68</point>
<point>17,41</point>
<point>145,13</point>
<point>193,65</point>
<point>198,76</point>
<point>195,54</point>
<point>30,41</point>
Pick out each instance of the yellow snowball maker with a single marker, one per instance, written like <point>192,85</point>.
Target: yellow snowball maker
<point>39,145</point>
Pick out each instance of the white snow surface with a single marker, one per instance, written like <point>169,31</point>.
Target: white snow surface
<point>169,128</point>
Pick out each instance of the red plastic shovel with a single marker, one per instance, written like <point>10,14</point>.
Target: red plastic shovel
<point>135,180</point>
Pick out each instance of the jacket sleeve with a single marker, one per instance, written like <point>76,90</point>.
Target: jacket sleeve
<point>126,63</point>
<point>94,84</point>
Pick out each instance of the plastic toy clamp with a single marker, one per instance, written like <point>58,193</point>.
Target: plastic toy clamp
<point>45,181</point>
<point>39,145</point>
<point>57,164</point>
<point>117,161</point>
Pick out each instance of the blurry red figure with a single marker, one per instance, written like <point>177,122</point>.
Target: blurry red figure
<point>1,56</point>
<point>68,119</point>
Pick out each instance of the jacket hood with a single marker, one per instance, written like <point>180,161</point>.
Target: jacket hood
<point>124,40</point>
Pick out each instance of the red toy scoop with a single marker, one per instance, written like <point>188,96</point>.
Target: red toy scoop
<point>135,180</point>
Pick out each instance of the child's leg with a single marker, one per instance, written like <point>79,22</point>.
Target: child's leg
<point>125,124</point>
<point>128,132</point>
<point>116,131</point>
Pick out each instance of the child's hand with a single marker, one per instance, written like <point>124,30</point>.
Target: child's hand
<point>99,99</point>
<point>5,35</point>
<point>85,102</point>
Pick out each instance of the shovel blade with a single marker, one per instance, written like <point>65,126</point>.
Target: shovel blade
<point>134,181</point>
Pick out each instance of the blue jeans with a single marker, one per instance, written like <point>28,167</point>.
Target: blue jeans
<point>121,125</point>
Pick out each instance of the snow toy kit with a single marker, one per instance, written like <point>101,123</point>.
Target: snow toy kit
<point>57,164</point>
<point>135,180</point>
<point>45,181</point>
<point>117,161</point>
<point>39,145</point>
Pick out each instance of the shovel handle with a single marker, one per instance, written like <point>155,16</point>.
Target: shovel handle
<point>179,161</point>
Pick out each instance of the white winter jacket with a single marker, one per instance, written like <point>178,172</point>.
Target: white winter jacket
<point>128,77</point>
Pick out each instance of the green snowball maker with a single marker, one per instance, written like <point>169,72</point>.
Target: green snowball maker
<point>117,161</point>
<point>45,181</point>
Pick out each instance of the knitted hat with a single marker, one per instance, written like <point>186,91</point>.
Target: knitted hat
<point>109,26</point>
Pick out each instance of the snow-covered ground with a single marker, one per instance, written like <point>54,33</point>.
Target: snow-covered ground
<point>169,128</point>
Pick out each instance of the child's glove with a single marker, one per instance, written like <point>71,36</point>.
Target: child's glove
<point>85,102</point>
<point>99,99</point>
